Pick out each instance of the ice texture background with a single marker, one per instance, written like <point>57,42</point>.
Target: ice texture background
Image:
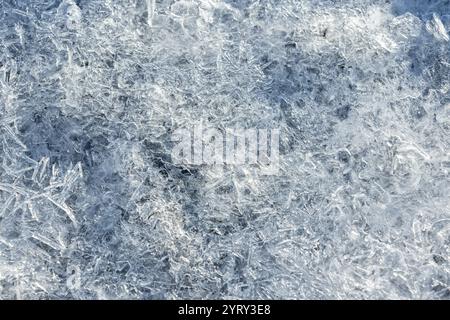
<point>92,207</point>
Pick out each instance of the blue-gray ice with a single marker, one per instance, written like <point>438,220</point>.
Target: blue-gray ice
<point>93,207</point>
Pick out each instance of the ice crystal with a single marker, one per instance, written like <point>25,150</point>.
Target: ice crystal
<point>93,207</point>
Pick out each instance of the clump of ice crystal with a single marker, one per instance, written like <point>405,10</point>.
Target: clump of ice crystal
<point>92,207</point>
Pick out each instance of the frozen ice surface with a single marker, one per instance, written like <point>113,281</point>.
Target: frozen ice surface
<point>91,206</point>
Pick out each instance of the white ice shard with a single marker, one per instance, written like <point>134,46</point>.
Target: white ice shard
<point>437,28</point>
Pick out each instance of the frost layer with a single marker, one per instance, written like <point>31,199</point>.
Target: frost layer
<point>92,207</point>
